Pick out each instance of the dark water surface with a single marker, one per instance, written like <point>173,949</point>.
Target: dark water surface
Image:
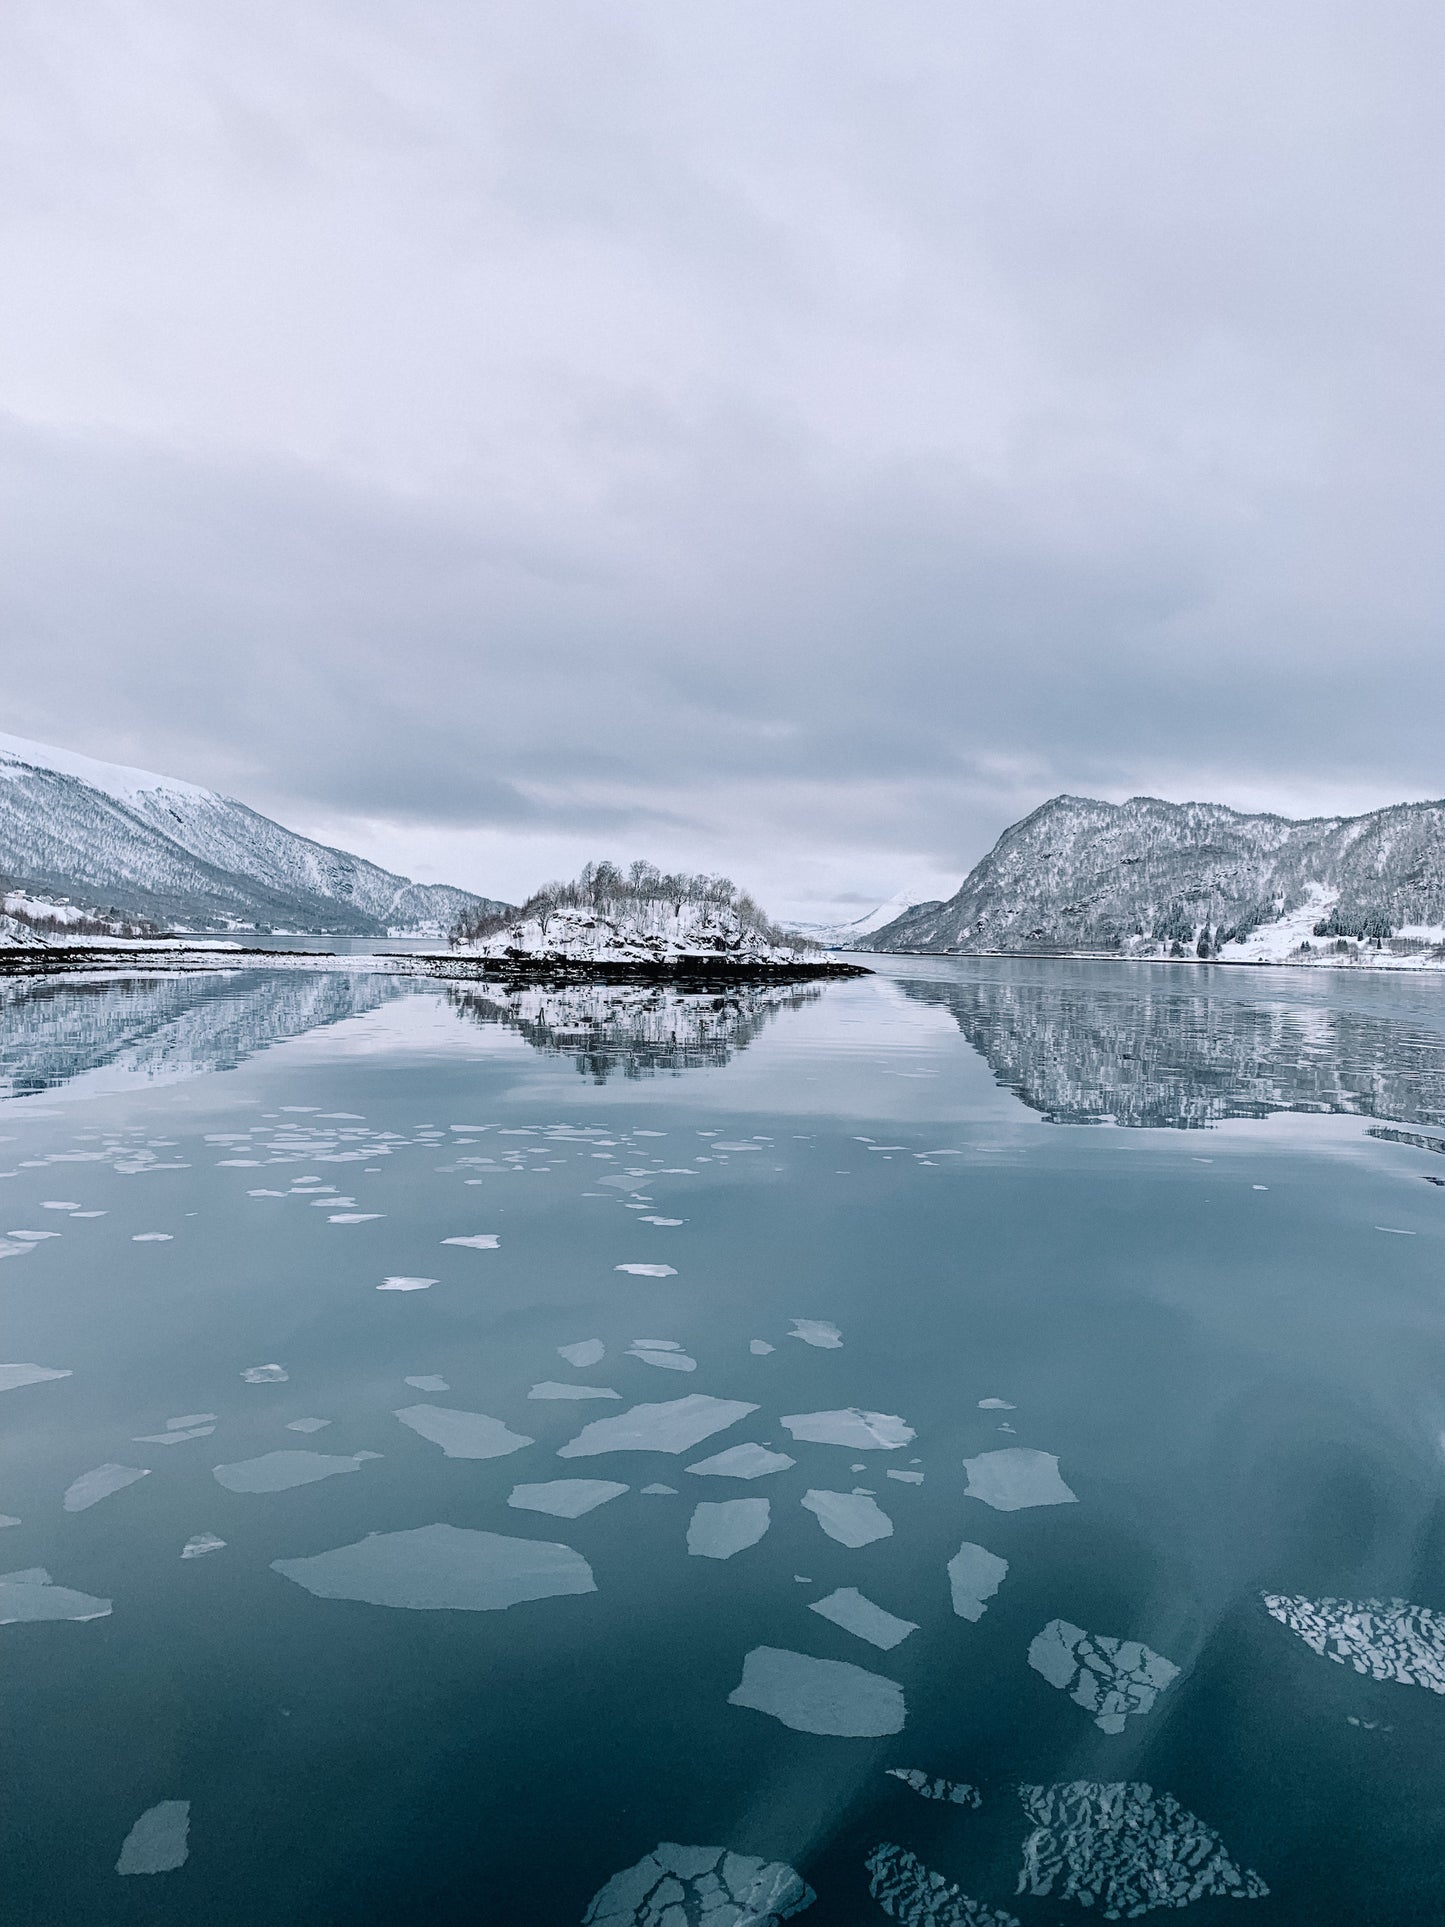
<point>1134,1220</point>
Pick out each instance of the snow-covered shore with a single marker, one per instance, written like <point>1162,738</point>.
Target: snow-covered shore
<point>645,932</point>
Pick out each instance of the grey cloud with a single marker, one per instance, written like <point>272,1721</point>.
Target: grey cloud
<point>785,431</point>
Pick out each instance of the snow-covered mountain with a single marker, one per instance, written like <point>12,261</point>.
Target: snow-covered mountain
<point>849,935</point>
<point>1149,878</point>
<point>128,843</point>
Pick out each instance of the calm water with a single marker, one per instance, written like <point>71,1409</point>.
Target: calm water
<point>1130,1227</point>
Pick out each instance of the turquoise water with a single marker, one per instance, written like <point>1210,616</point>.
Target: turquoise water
<point>1130,1227</point>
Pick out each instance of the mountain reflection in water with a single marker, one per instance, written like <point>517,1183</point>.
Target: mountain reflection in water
<point>632,1030</point>
<point>163,1028</point>
<point>1086,1049</point>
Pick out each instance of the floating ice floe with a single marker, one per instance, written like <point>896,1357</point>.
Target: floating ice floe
<point>665,1221</point>
<point>442,1568</point>
<point>649,1271</point>
<point>265,1375</point>
<point>354,1217</point>
<point>996,1405</point>
<point>663,1352</point>
<point>750,1461</point>
<point>177,1436</point>
<point>34,1237</point>
<point>8,1519</point>
<point>462,1435</point>
<point>816,1331</point>
<point>974,1576</point>
<point>852,1518</point>
<point>674,1426</point>
<point>1016,1477</point>
<point>187,1420</point>
<point>906,1890</point>
<point>863,1431</point>
<point>428,1382</point>
<point>308,1424</point>
<point>402,1283</point>
<point>811,1695</point>
<point>1382,1638</point>
<point>159,1840</point>
<point>849,1609</point>
<point>560,1388</point>
<point>957,1792</point>
<point>659,1491</point>
<point>202,1543</point>
<point>760,1347</point>
<point>1121,1847</point>
<point>31,1595</point>
<point>719,1528</point>
<point>152,1238</point>
<point>91,1487</point>
<point>483,1241</point>
<point>673,1885</point>
<point>587,1351</point>
<point>565,1498</point>
<point>13,1376</point>
<point>1110,1678</point>
<point>279,1471</point>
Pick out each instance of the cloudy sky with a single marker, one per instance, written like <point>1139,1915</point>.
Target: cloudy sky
<point>793,440</point>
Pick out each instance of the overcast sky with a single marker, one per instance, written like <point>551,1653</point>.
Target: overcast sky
<point>790,439</point>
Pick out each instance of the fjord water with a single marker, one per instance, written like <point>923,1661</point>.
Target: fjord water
<point>1133,1219</point>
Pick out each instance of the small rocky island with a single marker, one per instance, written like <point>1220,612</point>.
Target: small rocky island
<point>640,923</point>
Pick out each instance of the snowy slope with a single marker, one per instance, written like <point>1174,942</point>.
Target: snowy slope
<point>124,840</point>
<point>1142,877</point>
<point>846,936</point>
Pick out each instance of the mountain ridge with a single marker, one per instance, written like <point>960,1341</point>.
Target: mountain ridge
<point>129,843</point>
<point>1149,878</point>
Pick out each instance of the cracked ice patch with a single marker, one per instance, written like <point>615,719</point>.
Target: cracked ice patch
<point>1382,1638</point>
<point>1110,1678</point>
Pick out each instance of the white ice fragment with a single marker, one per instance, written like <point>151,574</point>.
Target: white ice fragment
<point>905,1478</point>
<point>462,1435</point>
<point>907,1890</point>
<point>673,1885</point>
<point>819,1695</point>
<point>34,1237</point>
<point>151,1238</point>
<point>308,1424</point>
<point>675,1426</point>
<point>565,1498</point>
<point>483,1241</point>
<point>402,1283</point>
<point>849,1517</point>
<point>279,1471</point>
<point>1110,1678</point>
<point>816,1331</point>
<point>863,1431</point>
<point>429,1382</point>
<point>30,1595</point>
<point>354,1217</point>
<point>176,1437</point>
<point>442,1568</point>
<point>13,1376</point>
<point>158,1842</point>
<point>1386,1639</point>
<point>649,1271</point>
<point>91,1487</point>
<point>750,1461</point>
<point>200,1545</point>
<point>560,1388</point>
<point>849,1609</point>
<point>1016,1477</point>
<point>996,1405</point>
<point>667,1356</point>
<point>665,1221</point>
<point>265,1375</point>
<point>61,1204</point>
<point>8,1519</point>
<point>722,1527</point>
<point>928,1787</point>
<point>587,1351</point>
<point>1121,1847</point>
<point>659,1491</point>
<point>760,1347</point>
<point>974,1575</point>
